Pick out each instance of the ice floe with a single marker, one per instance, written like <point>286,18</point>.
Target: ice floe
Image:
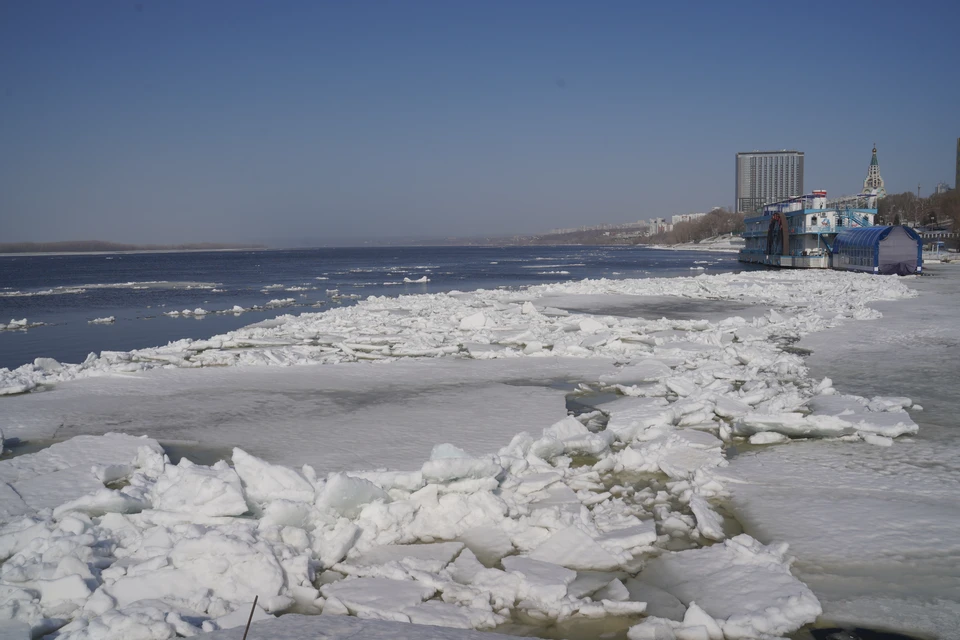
<point>578,518</point>
<point>19,325</point>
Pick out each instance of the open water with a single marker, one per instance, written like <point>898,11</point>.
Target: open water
<point>66,292</point>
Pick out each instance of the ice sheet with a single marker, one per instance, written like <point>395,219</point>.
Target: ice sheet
<point>294,627</point>
<point>348,417</point>
<point>875,529</point>
<point>549,507</point>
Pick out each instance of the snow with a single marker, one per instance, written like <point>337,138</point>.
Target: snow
<point>444,482</point>
<point>106,320</point>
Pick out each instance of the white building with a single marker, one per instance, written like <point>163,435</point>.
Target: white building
<point>660,225</point>
<point>686,217</point>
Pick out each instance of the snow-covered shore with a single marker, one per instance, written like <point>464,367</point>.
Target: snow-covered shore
<point>720,244</point>
<point>623,512</point>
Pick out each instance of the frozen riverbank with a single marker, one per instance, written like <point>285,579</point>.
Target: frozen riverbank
<point>720,244</point>
<point>619,514</point>
<point>876,529</point>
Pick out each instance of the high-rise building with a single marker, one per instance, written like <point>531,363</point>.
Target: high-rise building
<point>767,176</point>
<point>873,181</point>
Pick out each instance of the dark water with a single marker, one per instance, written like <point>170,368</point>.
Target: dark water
<point>66,291</point>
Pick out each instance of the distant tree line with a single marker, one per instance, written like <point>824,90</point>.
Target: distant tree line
<point>939,209</point>
<point>718,222</point>
<point>81,246</point>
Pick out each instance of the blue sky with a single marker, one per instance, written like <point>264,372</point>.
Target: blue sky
<point>309,122</point>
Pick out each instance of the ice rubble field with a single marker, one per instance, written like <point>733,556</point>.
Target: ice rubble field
<point>618,514</point>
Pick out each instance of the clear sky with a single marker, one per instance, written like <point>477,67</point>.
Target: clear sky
<point>309,122</point>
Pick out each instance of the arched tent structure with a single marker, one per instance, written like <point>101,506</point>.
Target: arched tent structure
<point>885,250</point>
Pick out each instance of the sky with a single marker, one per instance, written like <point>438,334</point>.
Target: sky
<point>308,123</point>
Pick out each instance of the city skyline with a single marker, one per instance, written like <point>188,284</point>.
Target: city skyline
<point>305,122</point>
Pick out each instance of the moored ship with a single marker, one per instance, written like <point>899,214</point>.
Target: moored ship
<point>808,232</point>
<point>800,231</point>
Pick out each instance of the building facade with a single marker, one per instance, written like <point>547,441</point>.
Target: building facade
<point>767,176</point>
<point>873,183</point>
<point>686,217</point>
<point>956,182</point>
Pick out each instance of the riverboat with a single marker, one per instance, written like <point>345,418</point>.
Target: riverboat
<point>800,232</point>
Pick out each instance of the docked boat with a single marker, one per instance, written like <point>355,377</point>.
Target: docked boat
<point>810,232</point>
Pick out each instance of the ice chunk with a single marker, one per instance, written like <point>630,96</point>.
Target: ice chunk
<point>679,454</point>
<point>347,495</point>
<point>490,544</point>
<point>101,502</point>
<point>659,602</point>
<point>448,463</point>
<point>629,539</point>
<point>574,549</point>
<point>70,587</point>
<point>589,325</point>
<point>892,403</point>
<point>379,598</point>
<point>264,482</point>
<point>568,427</point>
<point>211,491</point>
<point>574,438</point>
<point>768,437</point>
<point>234,569</point>
<point>876,440</point>
<point>745,586</point>
<point>424,557</point>
<point>727,407</point>
<point>442,614</point>
<point>473,322</point>
<point>239,617</point>
<point>709,522</point>
<point>630,417</point>
<point>63,471</point>
<point>681,386</point>
<point>645,370</point>
<point>588,583</point>
<point>543,585</point>
<point>829,423</point>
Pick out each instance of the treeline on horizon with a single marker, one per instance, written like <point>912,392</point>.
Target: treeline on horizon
<point>718,222</point>
<point>936,209</point>
<point>83,246</point>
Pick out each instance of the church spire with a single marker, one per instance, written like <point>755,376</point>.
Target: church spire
<point>873,182</point>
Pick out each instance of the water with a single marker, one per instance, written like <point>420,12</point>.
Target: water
<point>65,292</point>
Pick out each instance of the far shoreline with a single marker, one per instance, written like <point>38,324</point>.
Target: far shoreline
<point>703,247</point>
<point>36,254</point>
